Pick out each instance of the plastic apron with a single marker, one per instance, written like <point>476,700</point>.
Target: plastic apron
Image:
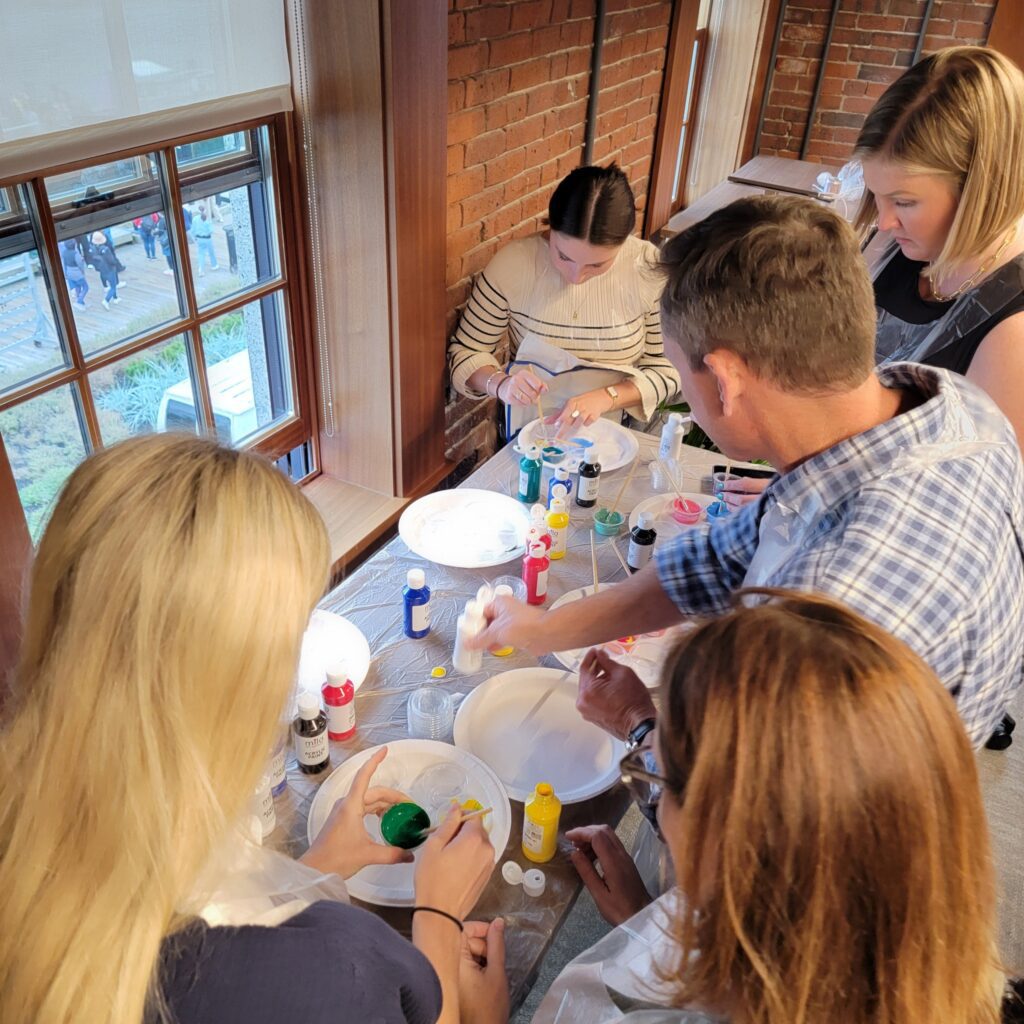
<point>617,978</point>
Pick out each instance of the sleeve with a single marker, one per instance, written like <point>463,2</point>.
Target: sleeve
<point>481,329</point>
<point>700,570</point>
<point>659,380</point>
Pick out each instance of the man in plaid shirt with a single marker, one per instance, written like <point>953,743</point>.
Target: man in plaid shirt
<point>900,489</point>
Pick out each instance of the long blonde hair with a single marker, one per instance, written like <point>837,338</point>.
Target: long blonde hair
<point>958,114</point>
<point>832,840</point>
<point>168,600</point>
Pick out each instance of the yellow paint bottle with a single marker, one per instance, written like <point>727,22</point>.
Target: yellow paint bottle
<point>558,527</point>
<point>540,824</point>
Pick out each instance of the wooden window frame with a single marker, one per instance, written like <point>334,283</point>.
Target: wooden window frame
<point>275,440</point>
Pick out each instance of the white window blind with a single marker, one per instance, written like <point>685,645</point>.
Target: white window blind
<point>81,79</point>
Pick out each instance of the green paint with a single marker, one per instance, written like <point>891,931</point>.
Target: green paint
<point>402,825</point>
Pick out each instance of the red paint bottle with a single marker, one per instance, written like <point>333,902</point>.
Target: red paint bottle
<point>535,574</point>
<point>339,701</point>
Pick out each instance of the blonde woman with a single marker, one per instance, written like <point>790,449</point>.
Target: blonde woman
<point>168,601</point>
<point>820,802</point>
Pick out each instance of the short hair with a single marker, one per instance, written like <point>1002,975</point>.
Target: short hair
<point>780,281</point>
<point>959,114</point>
<point>594,204</point>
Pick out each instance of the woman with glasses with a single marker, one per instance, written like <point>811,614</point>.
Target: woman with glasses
<point>819,800</point>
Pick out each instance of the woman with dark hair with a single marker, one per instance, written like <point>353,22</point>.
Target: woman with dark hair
<point>579,306</point>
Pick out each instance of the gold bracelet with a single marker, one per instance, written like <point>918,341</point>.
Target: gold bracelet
<point>487,383</point>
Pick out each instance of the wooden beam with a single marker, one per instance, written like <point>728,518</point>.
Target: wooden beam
<point>15,561</point>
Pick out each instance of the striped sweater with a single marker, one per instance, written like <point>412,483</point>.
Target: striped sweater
<point>611,320</point>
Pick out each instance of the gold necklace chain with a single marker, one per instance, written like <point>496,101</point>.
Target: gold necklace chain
<point>938,296</point>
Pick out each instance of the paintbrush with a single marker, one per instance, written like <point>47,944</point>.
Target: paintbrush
<point>593,559</point>
<point>622,489</point>
<point>543,425</point>
<point>462,820</point>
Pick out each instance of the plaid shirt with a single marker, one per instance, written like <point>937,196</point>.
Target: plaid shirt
<point>917,524</point>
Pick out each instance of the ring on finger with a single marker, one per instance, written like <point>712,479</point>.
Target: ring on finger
<point>575,414</point>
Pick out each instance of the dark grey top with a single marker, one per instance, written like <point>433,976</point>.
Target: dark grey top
<point>330,964</point>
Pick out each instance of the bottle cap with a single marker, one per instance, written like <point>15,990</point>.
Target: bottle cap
<point>512,873</point>
<point>537,512</point>
<point>544,789</point>
<point>558,491</point>
<point>558,505</point>
<point>503,590</point>
<point>336,675</point>
<point>537,550</point>
<point>561,473</point>
<point>590,456</point>
<point>484,596</point>
<point>474,614</point>
<point>416,578</point>
<point>676,419</point>
<point>645,521</point>
<point>534,882</point>
<point>309,705</point>
<point>533,452</point>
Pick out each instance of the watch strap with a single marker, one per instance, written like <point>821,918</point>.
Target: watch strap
<point>639,733</point>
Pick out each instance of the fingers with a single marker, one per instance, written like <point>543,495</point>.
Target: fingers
<point>496,944</point>
<point>582,836</point>
<point>607,846</point>
<point>587,871</point>
<point>378,799</point>
<point>378,853</point>
<point>447,829</point>
<point>363,776</point>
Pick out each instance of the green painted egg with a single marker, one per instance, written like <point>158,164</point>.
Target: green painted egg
<point>402,825</point>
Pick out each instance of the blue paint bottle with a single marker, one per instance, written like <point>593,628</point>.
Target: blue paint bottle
<point>416,601</point>
<point>559,477</point>
<point>529,475</point>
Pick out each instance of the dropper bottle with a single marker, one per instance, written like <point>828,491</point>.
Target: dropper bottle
<point>471,623</point>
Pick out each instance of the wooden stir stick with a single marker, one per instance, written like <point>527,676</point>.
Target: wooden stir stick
<point>593,559</point>
<point>543,425</point>
<point>618,555</point>
<point>464,818</point>
<point>622,489</point>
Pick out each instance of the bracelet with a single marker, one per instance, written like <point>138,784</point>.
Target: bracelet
<point>487,383</point>
<point>441,913</point>
<point>497,390</point>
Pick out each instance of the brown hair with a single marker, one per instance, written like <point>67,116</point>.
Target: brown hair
<point>780,281</point>
<point>959,114</point>
<point>594,204</point>
<point>833,845</point>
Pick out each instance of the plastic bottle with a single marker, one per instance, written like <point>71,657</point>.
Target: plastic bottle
<point>471,622</point>
<point>559,491</point>
<point>278,769</point>
<point>503,590</point>
<point>535,574</point>
<point>558,524</point>
<point>529,475</point>
<point>672,434</point>
<point>340,702</point>
<point>538,519</point>
<point>641,542</point>
<point>540,824</point>
<point>310,730</point>
<point>263,807</point>
<point>589,481</point>
<point>560,478</point>
<point>416,604</point>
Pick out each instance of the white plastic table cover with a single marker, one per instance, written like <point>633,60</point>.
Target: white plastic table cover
<point>372,598</point>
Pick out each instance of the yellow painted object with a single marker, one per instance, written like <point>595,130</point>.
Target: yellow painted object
<point>540,824</point>
<point>558,527</point>
<point>503,652</point>
<point>439,672</point>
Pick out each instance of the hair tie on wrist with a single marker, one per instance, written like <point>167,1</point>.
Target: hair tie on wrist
<point>441,913</point>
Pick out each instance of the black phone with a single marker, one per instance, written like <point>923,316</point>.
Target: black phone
<point>753,474</point>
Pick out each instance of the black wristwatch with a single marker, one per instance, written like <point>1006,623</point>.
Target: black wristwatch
<point>637,735</point>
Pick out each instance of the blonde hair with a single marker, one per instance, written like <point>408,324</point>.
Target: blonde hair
<point>834,845</point>
<point>958,114</point>
<point>168,599</point>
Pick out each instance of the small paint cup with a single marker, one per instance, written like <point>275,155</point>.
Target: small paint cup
<point>719,480</point>
<point>717,510</point>
<point>686,511</point>
<point>515,582</point>
<point>608,523</point>
<point>430,714</point>
<point>665,475</point>
<point>553,454</point>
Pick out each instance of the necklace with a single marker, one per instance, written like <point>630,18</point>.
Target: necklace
<point>938,296</point>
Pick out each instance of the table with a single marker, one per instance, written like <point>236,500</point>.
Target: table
<point>372,599</point>
<point>781,174</point>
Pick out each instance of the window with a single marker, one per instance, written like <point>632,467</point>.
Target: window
<point>149,292</point>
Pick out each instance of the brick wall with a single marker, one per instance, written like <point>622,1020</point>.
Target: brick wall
<point>518,84</point>
<point>872,44</point>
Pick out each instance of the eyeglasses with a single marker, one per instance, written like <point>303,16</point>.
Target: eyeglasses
<point>643,783</point>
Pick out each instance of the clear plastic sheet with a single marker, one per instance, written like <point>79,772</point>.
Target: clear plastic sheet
<point>845,188</point>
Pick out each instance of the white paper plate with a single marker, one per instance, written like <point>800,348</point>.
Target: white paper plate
<point>331,639</point>
<point>556,745</point>
<point>391,885</point>
<point>465,528</point>
<point>616,446</point>
<point>661,506</point>
<point>643,654</point>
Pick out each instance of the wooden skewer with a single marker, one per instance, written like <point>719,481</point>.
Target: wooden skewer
<point>593,559</point>
<point>618,555</point>
<point>622,489</point>
<point>672,481</point>
<point>543,425</point>
<point>465,817</point>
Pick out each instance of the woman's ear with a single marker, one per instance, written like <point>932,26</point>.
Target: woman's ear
<point>729,371</point>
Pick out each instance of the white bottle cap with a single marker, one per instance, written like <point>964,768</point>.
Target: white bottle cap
<point>309,705</point>
<point>336,674</point>
<point>537,550</point>
<point>504,590</point>
<point>558,504</point>
<point>512,873</point>
<point>534,882</point>
<point>416,578</point>
<point>590,455</point>
<point>561,473</point>
<point>474,615</point>
<point>484,596</point>
<point>558,491</point>
<point>676,419</point>
<point>537,512</point>
<point>645,521</point>
<point>533,452</point>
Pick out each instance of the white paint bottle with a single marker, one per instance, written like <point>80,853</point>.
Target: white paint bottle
<point>470,624</point>
<point>672,435</point>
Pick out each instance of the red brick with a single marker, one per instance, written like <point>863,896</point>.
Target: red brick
<point>465,183</point>
<point>534,205</point>
<point>455,158</point>
<point>545,97</point>
<point>544,149</point>
<point>559,11</point>
<point>549,172</point>
<point>610,120</point>
<point>533,72</point>
<point>503,168</point>
<point>569,162</point>
<point>792,66</point>
<point>456,29</point>
<point>581,9</point>
<point>466,60</point>
<point>511,49</point>
<point>577,60</point>
<point>454,219</point>
<point>488,22</point>
<point>656,39</point>
<point>500,221</point>
<point>547,40</point>
<point>872,73</point>
<point>651,85</point>
<point>522,185</point>
<point>522,132</point>
<point>486,87</point>
<point>503,112</point>
<point>465,125</point>
<point>482,203</point>
<point>559,65</point>
<point>484,147</point>
<point>456,96</point>
<point>465,238</point>
<point>870,55</point>
<point>531,14</point>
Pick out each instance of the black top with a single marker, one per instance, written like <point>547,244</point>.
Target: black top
<point>896,291</point>
<point>330,964</point>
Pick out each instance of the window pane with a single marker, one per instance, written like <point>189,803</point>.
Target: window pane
<point>230,216</point>
<point>116,241</point>
<point>248,369</point>
<point>150,390</point>
<point>29,343</point>
<point>45,440</point>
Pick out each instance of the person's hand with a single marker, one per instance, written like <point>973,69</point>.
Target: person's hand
<point>343,845</point>
<point>739,491</point>
<point>510,623</point>
<point>521,388</point>
<point>611,695</point>
<point>483,984</point>
<point>618,891</point>
<point>580,411</point>
<point>454,865</point>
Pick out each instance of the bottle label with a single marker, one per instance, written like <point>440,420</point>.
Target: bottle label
<point>277,769</point>
<point>542,583</point>
<point>559,535</point>
<point>312,750</point>
<point>341,718</point>
<point>639,554</point>
<point>268,819</point>
<point>420,617</point>
<point>588,488</point>
<point>533,836</point>
<point>524,482</point>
